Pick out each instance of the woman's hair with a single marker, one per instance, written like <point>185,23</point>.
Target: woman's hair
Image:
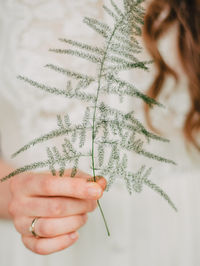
<point>160,15</point>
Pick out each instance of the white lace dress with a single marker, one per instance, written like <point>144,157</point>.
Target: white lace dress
<point>145,231</point>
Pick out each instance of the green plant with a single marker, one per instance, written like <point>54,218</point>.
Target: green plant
<point>111,131</point>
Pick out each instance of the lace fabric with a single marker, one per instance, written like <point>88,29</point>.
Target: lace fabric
<point>34,27</point>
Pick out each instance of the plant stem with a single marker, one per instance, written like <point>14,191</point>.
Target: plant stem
<point>94,118</point>
<point>104,219</point>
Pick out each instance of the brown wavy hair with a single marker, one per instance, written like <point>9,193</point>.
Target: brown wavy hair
<point>185,14</point>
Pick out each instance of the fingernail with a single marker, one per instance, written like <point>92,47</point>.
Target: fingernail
<point>94,191</point>
<point>73,235</point>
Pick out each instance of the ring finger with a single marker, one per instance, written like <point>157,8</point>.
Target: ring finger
<point>50,227</point>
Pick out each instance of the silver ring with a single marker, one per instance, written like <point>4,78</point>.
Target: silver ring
<point>32,227</point>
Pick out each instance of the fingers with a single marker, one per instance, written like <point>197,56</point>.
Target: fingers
<point>50,227</point>
<point>51,207</point>
<point>44,246</point>
<point>48,185</point>
<point>60,202</point>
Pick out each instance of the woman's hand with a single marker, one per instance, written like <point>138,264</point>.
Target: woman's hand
<point>61,203</point>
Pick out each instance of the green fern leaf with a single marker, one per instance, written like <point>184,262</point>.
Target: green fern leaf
<point>100,27</point>
<point>70,74</point>
<point>87,47</point>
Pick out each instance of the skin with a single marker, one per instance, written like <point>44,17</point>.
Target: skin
<point>62,205</point>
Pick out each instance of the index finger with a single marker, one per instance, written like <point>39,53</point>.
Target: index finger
<point>80,174</point>
<point>48,185</point>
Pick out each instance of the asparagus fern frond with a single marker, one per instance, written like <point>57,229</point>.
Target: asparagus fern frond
<point>112,132</point>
